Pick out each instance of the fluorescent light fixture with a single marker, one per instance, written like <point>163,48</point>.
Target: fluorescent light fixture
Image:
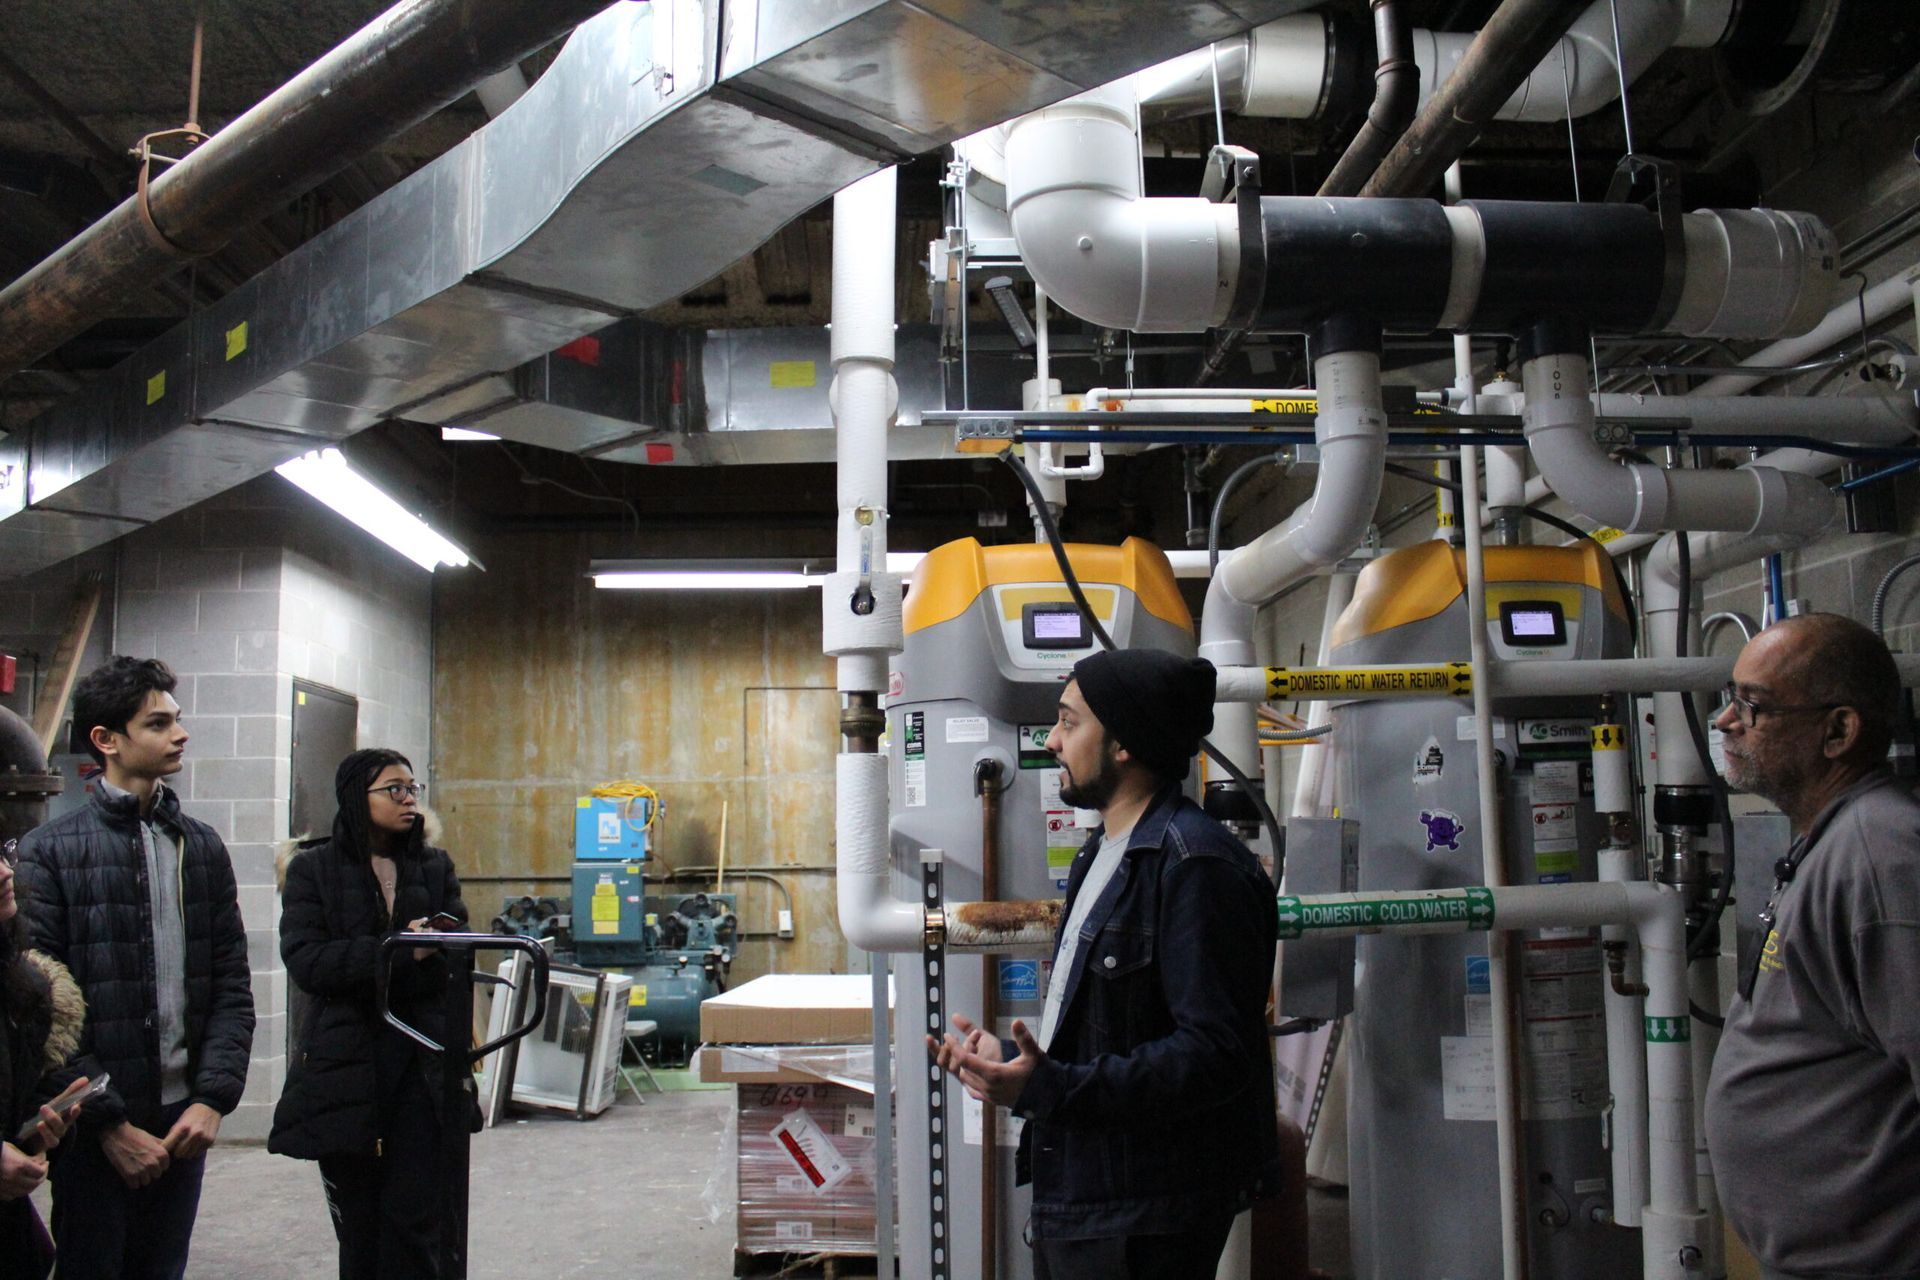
<point>328,476</point>
<point>465,433</point>
<point>724,575</point>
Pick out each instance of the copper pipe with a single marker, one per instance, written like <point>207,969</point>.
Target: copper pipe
<point>409,62</point>
<point>986,780</point>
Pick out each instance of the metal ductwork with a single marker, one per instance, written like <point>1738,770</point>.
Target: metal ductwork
<point>26,783</point>
<point>646,393</point>
<point>662,145</point>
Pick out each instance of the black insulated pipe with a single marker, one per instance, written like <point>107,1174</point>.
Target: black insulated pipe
<point>1518,35</point>
<point>400,68</point>
<point>1396,96</point>
<point>1606,263</point>
<point>1388,260</point>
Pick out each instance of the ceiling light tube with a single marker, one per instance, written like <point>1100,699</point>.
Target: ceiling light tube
<point>328,476</point>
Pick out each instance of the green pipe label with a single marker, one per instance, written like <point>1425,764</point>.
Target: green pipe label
<point>1669,1030</point>
<point>1470,908</point>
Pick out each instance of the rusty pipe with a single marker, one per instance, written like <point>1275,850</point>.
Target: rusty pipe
<point>1005,928</point>
<point>1396,96</point>
<point>1518,35</point>
<point>400,68</point>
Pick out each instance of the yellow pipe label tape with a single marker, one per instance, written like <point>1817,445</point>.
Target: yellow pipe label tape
<point>1609,737</point>
<point>1435,680</point>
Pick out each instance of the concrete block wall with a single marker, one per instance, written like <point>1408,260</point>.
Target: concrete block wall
<point>241,596</point>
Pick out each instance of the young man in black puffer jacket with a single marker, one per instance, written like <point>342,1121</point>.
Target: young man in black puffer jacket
<point>138,901</point>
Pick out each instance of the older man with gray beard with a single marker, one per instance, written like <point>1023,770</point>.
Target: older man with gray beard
<point>1813,1113</point>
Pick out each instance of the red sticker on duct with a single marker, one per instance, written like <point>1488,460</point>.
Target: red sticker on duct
<point>659,453</point>
<point>584,350</point>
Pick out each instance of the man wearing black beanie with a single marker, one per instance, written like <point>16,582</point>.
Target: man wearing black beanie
<point>1148,1092</point>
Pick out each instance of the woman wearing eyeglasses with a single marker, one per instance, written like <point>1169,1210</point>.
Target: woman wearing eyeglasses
<point>361,1098</point>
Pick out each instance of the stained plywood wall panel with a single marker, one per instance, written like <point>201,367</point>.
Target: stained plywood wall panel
<point>544,686</point>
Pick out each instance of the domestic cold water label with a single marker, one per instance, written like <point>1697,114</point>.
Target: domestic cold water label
<point>804,1143</point>
<point>966,729</point>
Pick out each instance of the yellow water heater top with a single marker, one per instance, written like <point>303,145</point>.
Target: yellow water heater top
<point>1420,581</point>
<point>951,577</point>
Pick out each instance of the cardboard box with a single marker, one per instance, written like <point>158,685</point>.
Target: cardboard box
<point>792,1008</point>
<point>806,1169</point>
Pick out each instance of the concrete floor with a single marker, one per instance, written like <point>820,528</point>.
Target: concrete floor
<point>627,1202</point>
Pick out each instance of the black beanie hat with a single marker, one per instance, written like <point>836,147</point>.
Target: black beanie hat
<point>1154,704</point>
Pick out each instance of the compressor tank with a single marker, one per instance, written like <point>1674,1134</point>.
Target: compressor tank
<point>1420,1114</point>
<point>991,636</point>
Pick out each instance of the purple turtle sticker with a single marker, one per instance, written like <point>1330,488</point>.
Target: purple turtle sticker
<point>1443,828</point>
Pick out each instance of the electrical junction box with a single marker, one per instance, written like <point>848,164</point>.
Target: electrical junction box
<point>611,830</point>
<point>609,906</point>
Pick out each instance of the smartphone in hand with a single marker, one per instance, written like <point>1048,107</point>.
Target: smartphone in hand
<point>28,1139</point>
<point>445,922</point>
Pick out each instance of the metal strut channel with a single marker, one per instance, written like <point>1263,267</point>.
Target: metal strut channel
<point>933,955</point>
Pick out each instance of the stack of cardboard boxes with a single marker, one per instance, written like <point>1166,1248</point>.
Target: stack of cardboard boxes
<point>805,1144</point>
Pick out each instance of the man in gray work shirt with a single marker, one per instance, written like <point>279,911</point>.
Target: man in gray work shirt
<point>139,902</point>
<point>1813,1113</point>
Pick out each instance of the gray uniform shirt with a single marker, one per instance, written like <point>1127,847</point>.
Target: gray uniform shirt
<point>162,853</point>
<point>1813,1112</point>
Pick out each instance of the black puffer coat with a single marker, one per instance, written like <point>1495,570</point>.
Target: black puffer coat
<point>38,1038</point>
<point>332,917</point>
<point>86,876</point>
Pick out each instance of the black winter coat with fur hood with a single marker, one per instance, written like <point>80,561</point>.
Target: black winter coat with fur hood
<point>332,917</point>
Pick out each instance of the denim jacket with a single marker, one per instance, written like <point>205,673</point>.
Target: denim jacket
<point>1154,1106</point>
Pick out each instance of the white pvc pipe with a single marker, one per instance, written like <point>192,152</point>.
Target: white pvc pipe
<point>1313,756</point>
<point>865,400</point>
<point>1351,432</point>
<point>1090,239</point>
<point>1506,1100</point>
<point>1558,420</point>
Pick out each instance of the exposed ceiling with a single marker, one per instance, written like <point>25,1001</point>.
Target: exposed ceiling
<point>127,74</point>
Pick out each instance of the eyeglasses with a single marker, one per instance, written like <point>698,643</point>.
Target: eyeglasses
<point>1749,711</point>
<point>398,791</point>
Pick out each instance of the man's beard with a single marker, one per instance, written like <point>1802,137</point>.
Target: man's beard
<point>1776,784</point>
<point>1099,790</point>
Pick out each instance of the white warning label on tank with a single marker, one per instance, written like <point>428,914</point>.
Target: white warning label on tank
<point>966,729</point>
<point>1466,1077</point>
<point>914,792</point>
<point>1565,1027</point>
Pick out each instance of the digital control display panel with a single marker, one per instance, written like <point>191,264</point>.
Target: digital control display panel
<point>1532,623</point>
<point>1054,626</point>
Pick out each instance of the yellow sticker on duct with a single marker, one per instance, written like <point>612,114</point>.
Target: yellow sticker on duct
<point>603,926</point>
<point>1286,406</point>
<point>639,996</point>
<point>156,387</point>
<point>236,339</point>
<point>584,802</point>
<point>1606,535</point>
<point>299,699</point>
<point>792,375</point>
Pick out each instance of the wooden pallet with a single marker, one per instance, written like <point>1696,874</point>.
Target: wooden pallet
<point>803,1265</point>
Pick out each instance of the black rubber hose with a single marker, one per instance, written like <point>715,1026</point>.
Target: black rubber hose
<point>1232,770</point>
<point>1240,473</point>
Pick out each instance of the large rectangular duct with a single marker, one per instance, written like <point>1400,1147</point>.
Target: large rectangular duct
<point>646,393</point>
<point>665,142</point>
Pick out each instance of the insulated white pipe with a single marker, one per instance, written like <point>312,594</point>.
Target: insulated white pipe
<point>1558,421</point>
<point>1626,1060</point>
<point>1226,640</point>
<point>1090,239</point>
<point>1580,68</point>
<point>1506,1100</point>
<point>860,603</point>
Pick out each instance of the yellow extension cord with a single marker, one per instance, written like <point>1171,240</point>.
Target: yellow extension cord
<point>630,791</point>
